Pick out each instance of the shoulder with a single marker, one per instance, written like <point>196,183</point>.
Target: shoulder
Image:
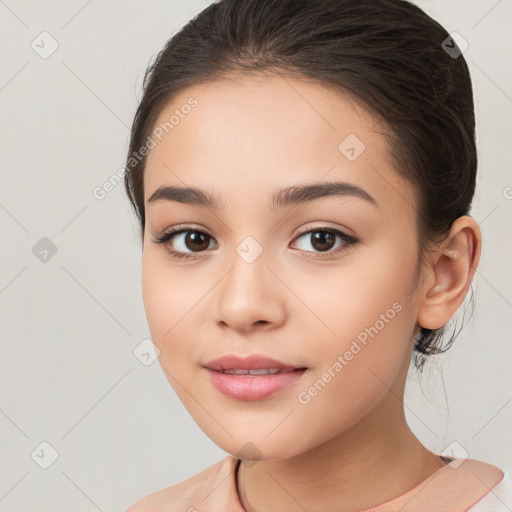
<point>212,489</point>
<point>498,499</point>
<point>463,483</point>
<point>458,486</point>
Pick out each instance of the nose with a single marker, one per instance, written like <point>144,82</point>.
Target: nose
<point>250,297</point>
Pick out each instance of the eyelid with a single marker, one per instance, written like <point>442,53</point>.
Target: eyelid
<point>169,234</point>
<point>311,227</point>
<point>180,228</point>
<point>190,227</point>
<point>175,230</point>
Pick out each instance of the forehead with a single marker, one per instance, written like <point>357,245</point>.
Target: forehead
<point>262,132</point>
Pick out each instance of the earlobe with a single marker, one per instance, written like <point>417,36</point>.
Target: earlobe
<point>451,272</point>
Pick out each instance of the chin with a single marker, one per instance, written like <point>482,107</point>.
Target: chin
<point>256,447</point>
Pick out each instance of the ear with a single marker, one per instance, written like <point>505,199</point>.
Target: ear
<point>449,273</point>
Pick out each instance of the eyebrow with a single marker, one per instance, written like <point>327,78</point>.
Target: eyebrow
<point>294,195</point>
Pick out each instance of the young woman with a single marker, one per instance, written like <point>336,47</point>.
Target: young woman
<point>303,172</point>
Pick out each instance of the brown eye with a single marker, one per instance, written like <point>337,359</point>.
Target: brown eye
<point>323,240</point>
<point>196,240</point>
<point>180,240</point>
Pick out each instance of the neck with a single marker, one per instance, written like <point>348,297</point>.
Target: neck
<point>374,461</point>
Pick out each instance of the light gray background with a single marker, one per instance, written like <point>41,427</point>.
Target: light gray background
<point>69,325</point>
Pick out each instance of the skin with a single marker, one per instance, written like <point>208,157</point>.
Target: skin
<point>350,446</point>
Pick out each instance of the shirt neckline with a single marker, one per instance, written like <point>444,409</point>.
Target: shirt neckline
<point>447,460</point>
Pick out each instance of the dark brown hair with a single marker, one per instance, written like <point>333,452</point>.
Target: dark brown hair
<point>388,54</point>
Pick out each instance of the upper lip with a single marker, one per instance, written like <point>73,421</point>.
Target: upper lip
<point>251,362</point>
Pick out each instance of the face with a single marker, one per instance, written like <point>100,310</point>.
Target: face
<point>323,282</point>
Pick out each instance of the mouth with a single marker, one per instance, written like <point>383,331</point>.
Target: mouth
<point>261,371</point>
<point>253,377</point>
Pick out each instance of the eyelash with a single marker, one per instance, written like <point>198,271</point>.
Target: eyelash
<point>165,239</point>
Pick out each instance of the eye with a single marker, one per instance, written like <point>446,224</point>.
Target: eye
<point>323,239</point>
<point>180,238</point>
<point>186,242</point>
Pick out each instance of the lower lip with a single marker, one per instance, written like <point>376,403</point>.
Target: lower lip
<point>253,387</point>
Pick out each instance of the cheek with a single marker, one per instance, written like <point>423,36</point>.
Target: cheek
<point>366,320</point>
<point>169,299</point>
<point>372,291</point>
<point>357,366</point>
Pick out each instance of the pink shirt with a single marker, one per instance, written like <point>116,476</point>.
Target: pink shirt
<point>463,485</point>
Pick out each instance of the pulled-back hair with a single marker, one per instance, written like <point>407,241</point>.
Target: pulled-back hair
<point>388,54</point>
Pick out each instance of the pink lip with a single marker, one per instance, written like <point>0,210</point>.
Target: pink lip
<point>251,387</point>
<point>250,362</point>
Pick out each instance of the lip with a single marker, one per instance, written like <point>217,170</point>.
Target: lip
<point>251,387</point>
<point>250,362</point>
